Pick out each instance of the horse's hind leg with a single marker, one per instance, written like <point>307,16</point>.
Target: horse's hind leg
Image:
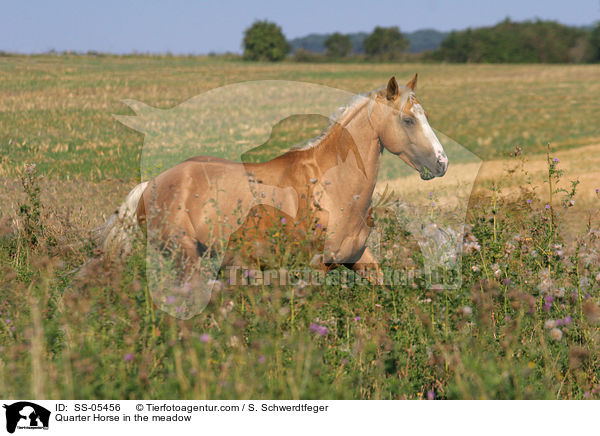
<point>368,268</point>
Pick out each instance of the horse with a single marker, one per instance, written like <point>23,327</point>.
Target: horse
<point>325,189</point>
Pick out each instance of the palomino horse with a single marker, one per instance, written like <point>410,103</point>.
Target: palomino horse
<point>324,189</point>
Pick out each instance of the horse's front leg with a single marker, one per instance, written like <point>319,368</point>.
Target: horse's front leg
<point>368,268</point>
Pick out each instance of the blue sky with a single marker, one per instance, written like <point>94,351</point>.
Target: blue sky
<point>178,26</point>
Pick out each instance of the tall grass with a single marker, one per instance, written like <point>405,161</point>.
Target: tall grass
<point>524,324</point>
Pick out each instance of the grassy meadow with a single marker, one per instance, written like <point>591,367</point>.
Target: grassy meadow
<point>525,323</point>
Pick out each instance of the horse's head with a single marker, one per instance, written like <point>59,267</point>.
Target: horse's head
<point>403,129</point>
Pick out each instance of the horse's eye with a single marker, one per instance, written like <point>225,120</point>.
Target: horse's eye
<point>408,121</point>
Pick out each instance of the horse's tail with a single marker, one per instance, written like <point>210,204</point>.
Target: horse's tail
<point>115,238</point>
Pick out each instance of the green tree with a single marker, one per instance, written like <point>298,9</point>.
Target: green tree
<point>509,41</point>
<point>264,41</point>
<point>338,45</point>
<point>385,43</point>
<point>593,54</point>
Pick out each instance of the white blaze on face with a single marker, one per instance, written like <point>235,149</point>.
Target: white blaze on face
<point>419,114</point>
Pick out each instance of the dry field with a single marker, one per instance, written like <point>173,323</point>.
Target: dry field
<point>525,323</point>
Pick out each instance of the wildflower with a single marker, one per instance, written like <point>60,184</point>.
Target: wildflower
<point>568,320</point>
<point>470,242</point>
<point>547,207</point>
<point>547,283</point>
<point>496,269</point>
<point>529,201</point>
<point>556,334</point>
<point>205,337</point>
<point>7,320</point>
<point>128,357</point>
<point>170,299</point>
<point>357,318</point>
<point>558,250</point>
<point>431,395</point>
<point>549,299</point>
<point>559,322</point>
<point>475,268</point>
<point>283,221</point>
<point>546,307</point>
<point>262,359</point>
<point>550,324</point>
<point>556,160</point>
<point>506,281</point>
<point>319,329</point>
<point>466,311</point>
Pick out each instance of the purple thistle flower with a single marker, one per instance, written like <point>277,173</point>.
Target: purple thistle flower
<point>322,330</point>
<point>357,318</point>
<point>546,306</point>
<point>558,322</point>
<point>262,359</point>
<point>547,207</point>
<point>549,299</point>
<point>431,395</point>
<point>205,337</point>
<point>314,327</point>
<point>529,201</point>
<point>568,320</point>
<point>170,299</point>
<point>556,160</point>
<point>506,281</point>
<point>128,357</point>
<point>432,204</point>
<point>283,221</point>
<point>7,320</point>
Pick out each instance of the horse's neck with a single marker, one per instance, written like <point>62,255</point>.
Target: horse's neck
<point>353,142</point>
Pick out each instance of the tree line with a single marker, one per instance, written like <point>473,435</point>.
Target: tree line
<point>508,41</point>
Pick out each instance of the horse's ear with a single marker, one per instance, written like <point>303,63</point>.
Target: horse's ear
<point>392,89</point>
<point>412,85</point>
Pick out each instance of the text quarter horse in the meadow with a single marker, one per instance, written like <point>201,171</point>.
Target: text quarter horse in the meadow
<point>322,191</point>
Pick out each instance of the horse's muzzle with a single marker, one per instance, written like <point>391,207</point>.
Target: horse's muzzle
<point>441,165</point>
<point>439,169</point>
